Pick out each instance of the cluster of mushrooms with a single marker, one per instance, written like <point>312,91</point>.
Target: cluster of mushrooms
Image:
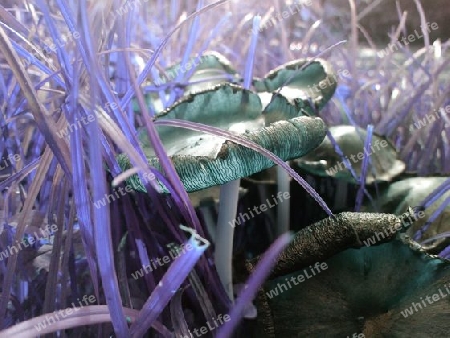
<point>365,287</point>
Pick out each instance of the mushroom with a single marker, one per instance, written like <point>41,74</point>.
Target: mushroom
<point>398,196</point>
<point>309,82</point>
<point>213,69</point>
<point>203,161</point>
<point>303,86</point>
<point>383,290</point>
<point>239,111</point>
<point>325,161</point>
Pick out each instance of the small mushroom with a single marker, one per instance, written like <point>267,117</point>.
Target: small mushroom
<point>326,162</point>
<point>203,161</point>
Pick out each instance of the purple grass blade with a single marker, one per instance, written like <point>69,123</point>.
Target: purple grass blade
<point>101,216</point>
<point>193,35</point>
<point>40,113</point>
<point>217,29</point>
<point>365,166</point>
<point>339,151</point>
<point>442,235</point>
<point>83,315</point>
<point>31,58</point>
<point>80,192</point>
<point>180,326</point>
<point>20,175</point>
<point>8,277</point>
<point>113,104</point>
<point>175,275</point>
<point>345,107</point>
<point>166,163</point>
<point>65,64</point>
<point>8,19</point>
<point>436,194</point>
<point>346,162</point>
<point>251,53</point>
<point>131,91</point>
<point>445,253</point>
<point>3,92</point>
<point>261,272</point>
<point>102,235</point>
<point>202,296</point>
<point>433,217</point>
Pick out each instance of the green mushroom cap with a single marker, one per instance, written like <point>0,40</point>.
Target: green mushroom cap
<point>312,87</point>
<point>211,69</point>
<point>203,160</point>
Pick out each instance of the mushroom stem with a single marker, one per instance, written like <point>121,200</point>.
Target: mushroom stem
<point>229,193</point>
<point>283,208</point>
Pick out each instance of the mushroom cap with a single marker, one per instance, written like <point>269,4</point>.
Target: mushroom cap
<point>203,160</point>
<point>362,290</point>
<point>313,86</point>
<point>213,69</point>
<point>210,60</point>
<point>400,195</point>
<point>210,69</point>
<point>325,161</point>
